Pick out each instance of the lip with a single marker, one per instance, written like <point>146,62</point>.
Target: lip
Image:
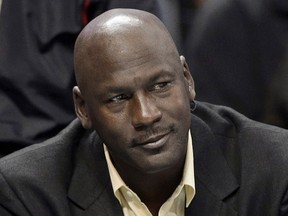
<point>154,142</point>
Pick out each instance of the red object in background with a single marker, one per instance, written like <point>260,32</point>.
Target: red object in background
<point>85,19</point>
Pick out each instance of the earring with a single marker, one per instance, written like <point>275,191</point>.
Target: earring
<point>193,106</point>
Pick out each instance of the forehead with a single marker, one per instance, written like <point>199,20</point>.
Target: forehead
<point>132,51</point>
<point>137,71</point>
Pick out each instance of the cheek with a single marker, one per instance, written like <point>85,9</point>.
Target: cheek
<point>179,104</point>
<point>182,112</point>
<point>111,128</point>
<point>179,111</point>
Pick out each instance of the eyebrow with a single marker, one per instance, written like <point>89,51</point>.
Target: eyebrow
<point>162,74</point>
<point>111,90</point>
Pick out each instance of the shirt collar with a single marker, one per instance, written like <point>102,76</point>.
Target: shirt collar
<point>188,173</point>
<point>188,179</point>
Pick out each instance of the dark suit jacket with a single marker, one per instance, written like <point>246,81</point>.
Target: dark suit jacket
<point>241,168</point>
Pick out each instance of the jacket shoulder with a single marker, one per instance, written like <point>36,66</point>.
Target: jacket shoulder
<point>40,174</point>
<point>238,135</point>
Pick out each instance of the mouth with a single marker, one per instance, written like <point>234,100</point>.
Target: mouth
<point>154,142</point>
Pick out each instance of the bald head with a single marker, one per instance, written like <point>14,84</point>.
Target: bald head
<point>130,75</point>
<point>116,36</point>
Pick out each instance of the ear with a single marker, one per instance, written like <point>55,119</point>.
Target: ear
<point>188,78</point>
<point>80,108</point>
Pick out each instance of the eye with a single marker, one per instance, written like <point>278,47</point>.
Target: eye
<point>161,86</point>
<point>119,98</point>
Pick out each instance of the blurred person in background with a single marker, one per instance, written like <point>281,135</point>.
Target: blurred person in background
<point>276,106</point>
<point>236,48</point>
<point>36,68</point>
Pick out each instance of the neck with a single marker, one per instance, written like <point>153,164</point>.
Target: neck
<point>153,188</point>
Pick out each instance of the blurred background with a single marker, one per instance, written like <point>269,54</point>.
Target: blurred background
<point>236,50</point>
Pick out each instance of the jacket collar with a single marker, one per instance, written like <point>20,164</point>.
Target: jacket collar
<point>214,179</point>
<point>90,180</point>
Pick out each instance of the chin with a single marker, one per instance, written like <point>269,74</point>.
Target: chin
<point>158,165</point>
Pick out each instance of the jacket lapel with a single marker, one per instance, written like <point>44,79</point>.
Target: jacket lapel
<point>91,182</point>
<point>215,183</point>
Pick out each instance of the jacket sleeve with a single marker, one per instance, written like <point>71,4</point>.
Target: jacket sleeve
<point>284,205</point>
<point>5,212</point>
<point>9,202</point>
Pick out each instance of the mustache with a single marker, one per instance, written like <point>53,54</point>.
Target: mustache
<point>152,133</point>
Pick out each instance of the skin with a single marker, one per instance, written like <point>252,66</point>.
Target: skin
<point>135,90</point>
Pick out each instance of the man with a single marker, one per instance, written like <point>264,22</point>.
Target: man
<point>142,151</point>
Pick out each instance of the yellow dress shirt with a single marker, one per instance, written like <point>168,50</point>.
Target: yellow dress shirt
<point>174,206</point>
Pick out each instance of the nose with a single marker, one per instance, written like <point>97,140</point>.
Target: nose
<point>144,111</point>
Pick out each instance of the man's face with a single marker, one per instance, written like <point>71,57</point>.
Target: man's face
<point>139,105</point>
